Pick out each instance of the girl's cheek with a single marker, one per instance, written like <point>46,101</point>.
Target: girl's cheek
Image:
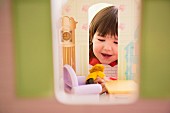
<point>97,43</point>
<point>97,47</point>
<point>115,49</point>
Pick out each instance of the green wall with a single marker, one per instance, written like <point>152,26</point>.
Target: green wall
<point>33,47</point>
<point>155,49</point>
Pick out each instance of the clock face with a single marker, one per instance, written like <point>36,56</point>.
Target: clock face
<point>66,36</point>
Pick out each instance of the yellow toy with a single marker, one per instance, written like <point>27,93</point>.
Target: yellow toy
<point>96,71</point>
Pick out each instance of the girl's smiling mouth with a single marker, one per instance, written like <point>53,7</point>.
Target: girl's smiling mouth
<point>105,55</point>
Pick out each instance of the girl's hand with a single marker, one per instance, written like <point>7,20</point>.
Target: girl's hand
<point>102,83</point>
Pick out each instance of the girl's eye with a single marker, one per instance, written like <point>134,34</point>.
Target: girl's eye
<point>115,42</point>
<point>101,40</point>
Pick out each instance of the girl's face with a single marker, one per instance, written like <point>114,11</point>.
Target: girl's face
<point>105,48</point>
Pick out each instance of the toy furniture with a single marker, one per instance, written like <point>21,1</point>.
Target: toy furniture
<point>68,40</point>
<point>74,84</point>
<point>121,86</point>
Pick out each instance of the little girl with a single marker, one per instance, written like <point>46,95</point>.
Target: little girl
<point>103,41</point>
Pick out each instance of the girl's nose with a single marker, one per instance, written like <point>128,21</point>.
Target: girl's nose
<point>107,47</point>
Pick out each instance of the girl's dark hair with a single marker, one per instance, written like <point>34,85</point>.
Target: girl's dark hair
<point>104,22</point>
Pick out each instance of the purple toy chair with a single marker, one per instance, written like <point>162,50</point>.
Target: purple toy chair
<point>76,84</point>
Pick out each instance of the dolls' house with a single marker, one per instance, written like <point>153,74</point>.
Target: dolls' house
<point>71,53</point>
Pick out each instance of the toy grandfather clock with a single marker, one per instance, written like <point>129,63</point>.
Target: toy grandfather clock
<point>68,40</point>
